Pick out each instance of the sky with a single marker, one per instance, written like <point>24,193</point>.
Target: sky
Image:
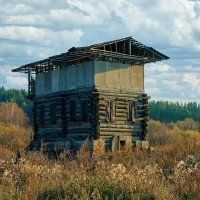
<point>36,29</point>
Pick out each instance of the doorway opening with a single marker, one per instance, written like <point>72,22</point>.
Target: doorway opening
<point>122,145</point>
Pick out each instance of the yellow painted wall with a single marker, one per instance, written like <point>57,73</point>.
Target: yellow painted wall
<point>120,76</point>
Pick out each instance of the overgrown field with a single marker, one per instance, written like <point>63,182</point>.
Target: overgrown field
<point>170,171</point>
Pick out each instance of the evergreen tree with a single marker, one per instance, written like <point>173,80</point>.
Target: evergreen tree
<point>165,111</point>
<point>18,96</point>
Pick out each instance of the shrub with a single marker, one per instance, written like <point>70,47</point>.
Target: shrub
<point>14,137</point>
<point>160,135</point>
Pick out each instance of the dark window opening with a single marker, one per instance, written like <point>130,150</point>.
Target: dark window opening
<point>42,114</point>
<point>84,110</point>
<point>108,147</point>
<point>72,110</point>
<point>132,111</point>
<point>134,143</point>
<point>107,48</point>
<point>114,47</point>
<point>53,117</point>
<point>110,111</point>
<point>122,145</point>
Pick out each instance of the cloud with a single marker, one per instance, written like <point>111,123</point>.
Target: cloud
<point>193,81</point>
<point>172,85</point>
<point>39,36</point>
<point>150,81</point>
<point>12,80</point>
<point>13,8</point>
<point>153,91</point>
<point>158,68</point>
<point>18,82</point>
<point>34,30</point>
<point>181,83</point>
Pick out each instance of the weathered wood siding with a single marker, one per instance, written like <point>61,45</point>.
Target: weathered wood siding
<point>100,100</point>
<point>119,76</point>
<point>126,125</point>
<point>91,74</point>
<point>75,117</point>
<point>68,78</point>
<point>117,118</point>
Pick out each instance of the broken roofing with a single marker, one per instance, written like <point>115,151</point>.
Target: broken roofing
<point>125,51</point>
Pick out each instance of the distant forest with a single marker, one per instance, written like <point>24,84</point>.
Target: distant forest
<point>18,96</point>
<point>166,111</point>
<point>163,111</point>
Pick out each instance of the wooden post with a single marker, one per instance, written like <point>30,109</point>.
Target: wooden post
<point>129,47</point>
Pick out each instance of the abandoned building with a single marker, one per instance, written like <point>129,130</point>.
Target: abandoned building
<point>94,92</point>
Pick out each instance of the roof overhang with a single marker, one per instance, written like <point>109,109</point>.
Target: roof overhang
<point>124,51</point>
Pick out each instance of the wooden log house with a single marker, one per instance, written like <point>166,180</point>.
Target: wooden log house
<point>94,92</point>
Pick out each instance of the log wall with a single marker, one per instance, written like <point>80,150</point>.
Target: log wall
<point>73,119</point>
<point>129,121</point>
<point>117,118</point>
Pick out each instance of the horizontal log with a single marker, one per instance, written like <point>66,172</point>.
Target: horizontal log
<point>48,135</point>
<point>120,119</point>
<point>79,123</point>
<point>119,110</point>
<point>121,106</point>
<point>116,122</point>
<point>121,116</point>
<point>107,137</point>
<point>107,133</point>
<point>116,126</point>
<point>50,128</point>
<point>82,136</point>
<point>143,105</point>
<point>75,131</point>
<point>115,130</point>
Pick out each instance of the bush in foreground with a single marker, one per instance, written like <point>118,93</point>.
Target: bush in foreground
<point>136,176</point>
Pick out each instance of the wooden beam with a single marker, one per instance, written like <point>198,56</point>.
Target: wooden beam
<point>130,47</point>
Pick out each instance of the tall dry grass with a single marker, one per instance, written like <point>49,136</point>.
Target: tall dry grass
<point>115,176</point>
<point>14,137</point>
<point>171,171</point>
<point>10,113</point>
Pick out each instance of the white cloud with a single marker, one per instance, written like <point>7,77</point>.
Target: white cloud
<point>193,81</point>
<point>16,82</point>
<point>150,81</point>
<point>154,91</point>
<point>33,30</point>
<point>158,67</point>
<point>28,19</point>
<point>41,36</point>
<point>12,8</point>
<point>159,21</point>
<point>172,85</point>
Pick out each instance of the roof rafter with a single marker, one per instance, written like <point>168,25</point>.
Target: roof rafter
<point>126,50</point>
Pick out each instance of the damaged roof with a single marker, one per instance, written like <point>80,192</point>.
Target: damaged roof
<point>125,51</point>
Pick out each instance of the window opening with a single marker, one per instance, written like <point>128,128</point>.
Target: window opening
<point>42,114</point>
<point>84,110</point>
<point>53,114</point>
<point>72,110</point>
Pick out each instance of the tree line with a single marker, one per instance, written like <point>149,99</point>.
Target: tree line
<point>18,97</point>
<point>166,111</point>
<point>163,111</point>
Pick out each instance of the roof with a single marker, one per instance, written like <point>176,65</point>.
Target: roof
<point>125,51</point>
